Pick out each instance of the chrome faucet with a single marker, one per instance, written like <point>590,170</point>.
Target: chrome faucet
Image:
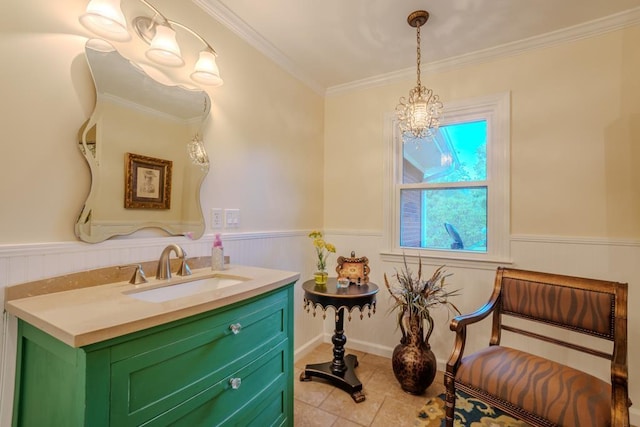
<point>164,264</point>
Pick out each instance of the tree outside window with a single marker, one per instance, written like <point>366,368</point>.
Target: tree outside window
<point>446,217</point>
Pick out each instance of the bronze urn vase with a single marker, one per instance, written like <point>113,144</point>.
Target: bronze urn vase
<point>414,364</point>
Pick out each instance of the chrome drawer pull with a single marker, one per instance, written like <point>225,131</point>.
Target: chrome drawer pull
<point>235,383</point>
<point>235,328</point>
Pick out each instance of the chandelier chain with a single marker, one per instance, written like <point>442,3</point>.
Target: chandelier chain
<point>418,56</point>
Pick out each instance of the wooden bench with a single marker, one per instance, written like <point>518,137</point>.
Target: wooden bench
<point>536,390</point>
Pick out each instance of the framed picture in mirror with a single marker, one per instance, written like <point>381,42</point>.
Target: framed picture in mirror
<point>356,269</point>
<point>147,182</point>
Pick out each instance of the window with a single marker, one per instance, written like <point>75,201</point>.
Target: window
<point>448,195</point>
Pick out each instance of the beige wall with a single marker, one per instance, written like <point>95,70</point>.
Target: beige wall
<point>575,180</point>
<point>575,127</point>
<point>293,161</point>
<point>264,137</point>
<point>575,138</point>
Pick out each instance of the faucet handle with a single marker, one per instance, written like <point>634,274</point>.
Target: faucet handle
<point>184,269</point>
<point>138,275</point>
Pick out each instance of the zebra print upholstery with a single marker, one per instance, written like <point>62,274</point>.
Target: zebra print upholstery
<point>534,389</point>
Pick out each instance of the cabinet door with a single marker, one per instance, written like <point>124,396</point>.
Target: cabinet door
<point>156,373</point>
<point>49,379</point>
<point>52,385</point>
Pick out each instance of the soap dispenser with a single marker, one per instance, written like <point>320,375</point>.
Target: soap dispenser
<point>217,254</point>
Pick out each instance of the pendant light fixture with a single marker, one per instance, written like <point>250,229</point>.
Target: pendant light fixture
<point>197,152</point>
<point>419,115</point>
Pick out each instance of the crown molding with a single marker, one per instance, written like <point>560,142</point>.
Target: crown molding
<point>226,17</point>
<point>589,29</point>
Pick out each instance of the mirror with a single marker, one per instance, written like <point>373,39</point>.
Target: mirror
<point>144,151</point>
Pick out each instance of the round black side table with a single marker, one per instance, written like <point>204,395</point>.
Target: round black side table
<point>340,371</point>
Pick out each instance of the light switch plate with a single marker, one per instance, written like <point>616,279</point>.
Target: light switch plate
<point>231,218</point>
<point>216,218</point>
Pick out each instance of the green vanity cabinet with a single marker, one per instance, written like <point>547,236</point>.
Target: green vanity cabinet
<point>229,366</point>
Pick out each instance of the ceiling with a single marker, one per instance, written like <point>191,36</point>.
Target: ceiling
<point>332,43</point>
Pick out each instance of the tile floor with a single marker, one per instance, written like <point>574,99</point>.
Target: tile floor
<point>318,403</point>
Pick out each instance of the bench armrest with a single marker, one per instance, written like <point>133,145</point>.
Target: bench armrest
<point>619,381</point>
<point>459,326</point>
<point>458,323</point>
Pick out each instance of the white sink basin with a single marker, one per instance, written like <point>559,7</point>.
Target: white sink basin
<point>179,290</point>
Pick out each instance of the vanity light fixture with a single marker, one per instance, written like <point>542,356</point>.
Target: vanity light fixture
<point>106,19</point>
<point>419,116</point>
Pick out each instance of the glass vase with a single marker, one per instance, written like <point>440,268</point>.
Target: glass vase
<point>320,277</point>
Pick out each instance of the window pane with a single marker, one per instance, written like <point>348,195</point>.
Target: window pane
<point>444,218</point>
<point>456,152</point>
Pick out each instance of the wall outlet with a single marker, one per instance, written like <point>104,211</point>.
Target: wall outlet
<point>216,218</point>
<point>231,218</point>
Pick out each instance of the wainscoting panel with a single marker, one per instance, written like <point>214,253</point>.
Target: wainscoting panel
<point>290,250</point>
<point>617,260</point>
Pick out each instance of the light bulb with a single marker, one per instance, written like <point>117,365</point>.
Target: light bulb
<point>420,115</point>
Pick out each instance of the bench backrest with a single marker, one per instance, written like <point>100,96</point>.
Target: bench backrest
<point>588,306</point>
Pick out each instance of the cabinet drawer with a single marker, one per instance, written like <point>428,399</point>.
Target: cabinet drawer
<point>159,371</point>
<point>259,399</point>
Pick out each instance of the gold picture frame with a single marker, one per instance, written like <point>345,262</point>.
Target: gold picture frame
<point>147,182</point>
<point>356,269</point>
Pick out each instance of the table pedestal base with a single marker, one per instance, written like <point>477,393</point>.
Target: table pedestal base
<point>340,372</point>
<point>346,380</point>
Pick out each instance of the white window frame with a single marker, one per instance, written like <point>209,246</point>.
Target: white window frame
<point>496,110</point>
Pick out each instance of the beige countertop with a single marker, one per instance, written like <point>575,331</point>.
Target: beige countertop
<point>87,315</point>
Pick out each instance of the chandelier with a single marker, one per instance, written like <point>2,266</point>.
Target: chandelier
<point>419,115</point>
<point>197,153</point>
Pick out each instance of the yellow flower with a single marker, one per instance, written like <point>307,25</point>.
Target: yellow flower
<point>321,245</point>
